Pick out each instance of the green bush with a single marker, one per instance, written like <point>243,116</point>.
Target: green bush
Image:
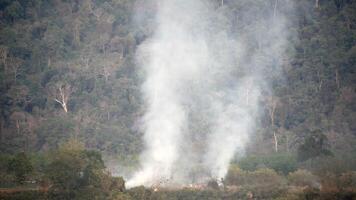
<point>26,195</point>
<point>280,162</point>
<point>235,175</point>
<point>337,165</point>
<point>140,193</point>
<point>77,173</point>
<point>262,183</point>
<point>21,166</point>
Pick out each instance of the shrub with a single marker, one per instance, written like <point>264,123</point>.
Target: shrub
<point>235,175</point>
<point>337,165</point>
<point>303,178</point>
<point>262,183</point>
<point>24,195</point>
<point>140,193</point>
<point>265,183</point>
<point>20,165</point>
<point>280,162</point>
<point>348,180</point>
<point>77,173</point>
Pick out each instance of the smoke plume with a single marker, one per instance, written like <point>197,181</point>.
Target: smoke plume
<point>204,67</point>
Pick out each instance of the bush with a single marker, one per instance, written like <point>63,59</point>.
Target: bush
<point>280,162</point>
<point>262,183</point>
<point>235,175</point>
<point>303,178</point>
<point>24,195</point>
<point>20,165</point>
<point>339,186</point>
<point>140,193</point>
<point>265,183</point>
<point>77,173</point>
<point>336,165</point>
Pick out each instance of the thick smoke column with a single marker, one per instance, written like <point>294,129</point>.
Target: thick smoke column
<point>204,78</point>
<point>172,58</point>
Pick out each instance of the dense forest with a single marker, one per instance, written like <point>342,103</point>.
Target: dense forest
<point>71,104</point>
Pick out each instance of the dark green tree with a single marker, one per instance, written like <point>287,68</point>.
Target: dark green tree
<point>314,145</point>
<point>20,165</point>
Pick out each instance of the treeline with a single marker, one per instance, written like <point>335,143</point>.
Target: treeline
<point>69,172</point>
<point>73,172</point>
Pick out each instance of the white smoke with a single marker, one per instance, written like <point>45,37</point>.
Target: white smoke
<point>203,83</point>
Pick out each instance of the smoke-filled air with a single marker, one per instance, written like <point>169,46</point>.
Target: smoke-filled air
<point>200,72</point>
<point>177,99</point>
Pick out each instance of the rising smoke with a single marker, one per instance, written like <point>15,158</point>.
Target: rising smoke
<point>204,69</point>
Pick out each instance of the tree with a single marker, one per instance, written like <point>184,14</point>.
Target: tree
<point>314,145</point>
<point>77,173</point>
<point>14,11</point>
<point>317,5</point>
<point>20,165</point>
<point>271,106</point>
<point>4,51</point>
<point>15,65</point>
<point>60,93</point>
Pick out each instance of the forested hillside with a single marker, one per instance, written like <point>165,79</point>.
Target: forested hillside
<point>68,73</point>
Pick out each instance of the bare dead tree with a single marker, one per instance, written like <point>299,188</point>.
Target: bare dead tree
<point>61,94</point>
<point>107,71</point>
<point>85,60</point>
<point>317,5</point>
<point>275,9</point>
<point>272,104</point>
<point>18,118</point>
<point>320,81</point>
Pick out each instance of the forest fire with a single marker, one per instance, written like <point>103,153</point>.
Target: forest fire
<point>177,99</point>
<point>169,185</point>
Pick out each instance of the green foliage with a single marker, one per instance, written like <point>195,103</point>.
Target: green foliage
<point>7,179</point>
<point>27,195</point>
<point>117,184</point>
<point>314,145</point>
<point>280,162</point>
<point>76,173</point>
<point>263,183</point>
<point>337,164</point>
<point>55,131</point>
<point>303,178</point>
<point>138,193</point>
<point>20,165</point>
<point>14,11</point>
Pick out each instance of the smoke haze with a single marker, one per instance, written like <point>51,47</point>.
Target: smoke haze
<point>204,78</point>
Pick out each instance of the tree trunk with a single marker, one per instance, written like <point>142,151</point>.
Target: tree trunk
<point>287,143</point>
<point>337,79</point>
<point>18,127</point>
<point>1,130</point>
<point>317,4</point>
<point>275,9</point>
<point>275,141</point>
<point>320,81</point>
